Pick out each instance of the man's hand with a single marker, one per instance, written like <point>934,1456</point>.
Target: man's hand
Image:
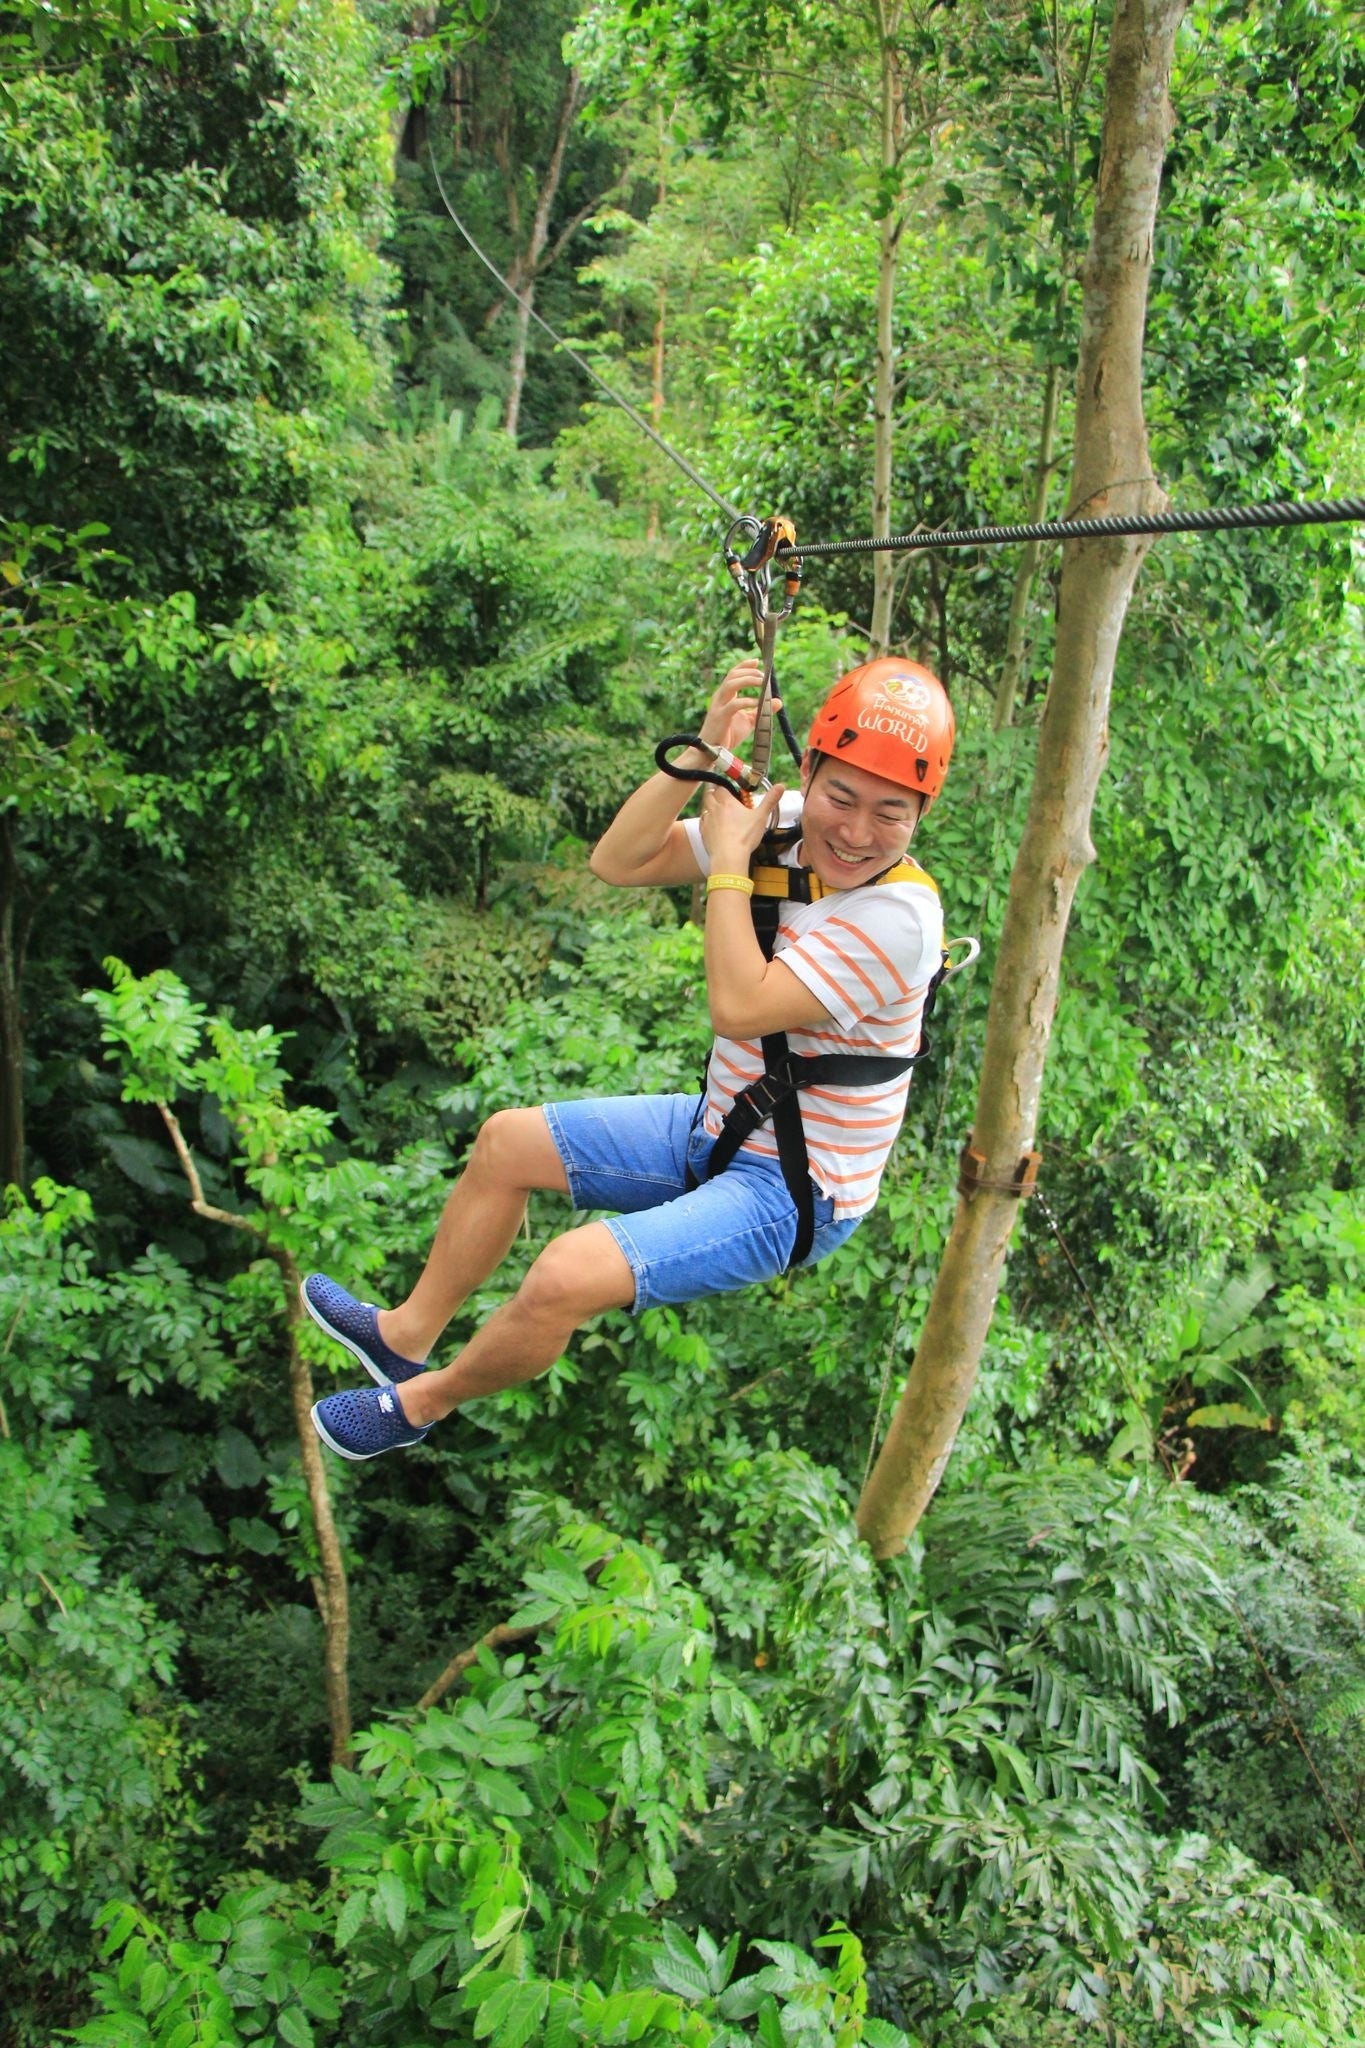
<point>733,708</point>
<point>645,845</point>
<point>731,832</point>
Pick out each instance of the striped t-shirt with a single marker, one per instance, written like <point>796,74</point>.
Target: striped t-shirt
<point>868,954</point>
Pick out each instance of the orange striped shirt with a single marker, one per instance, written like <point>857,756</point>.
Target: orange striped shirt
<point>868,954</point>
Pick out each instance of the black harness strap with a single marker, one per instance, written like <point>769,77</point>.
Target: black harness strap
<point>776,1094</point>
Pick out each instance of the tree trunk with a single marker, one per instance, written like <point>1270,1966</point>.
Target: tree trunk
<point>1109,473</point>
<point>890,226</point>
<point>11,1012</point>
<point>656,377</point>
<point>1030,554</point>
<point>530,264</point>
<point>520,337</point>
<point>408,121</point>
<point>330,1590</point>
<point>656,392</point>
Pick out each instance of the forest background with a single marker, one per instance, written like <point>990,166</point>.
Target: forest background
<point>339,611</point>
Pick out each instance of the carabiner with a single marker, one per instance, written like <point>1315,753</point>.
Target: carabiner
<point>735,776</point>
<point>753,572</point>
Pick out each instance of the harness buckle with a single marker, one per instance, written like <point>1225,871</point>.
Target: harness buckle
<point>769,1089</point>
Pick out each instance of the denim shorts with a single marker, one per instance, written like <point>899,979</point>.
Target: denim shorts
<point>630,1153</point>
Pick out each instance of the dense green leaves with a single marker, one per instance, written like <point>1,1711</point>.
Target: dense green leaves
<point>315,688</point>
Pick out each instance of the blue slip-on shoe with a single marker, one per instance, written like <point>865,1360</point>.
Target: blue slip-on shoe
<point>356,1325</point>
<point>361,1424</point>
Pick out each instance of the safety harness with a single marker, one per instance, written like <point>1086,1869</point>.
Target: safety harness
<point>776,1094</point>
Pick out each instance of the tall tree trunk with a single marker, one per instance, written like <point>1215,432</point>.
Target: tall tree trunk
<point>1097,582</point>
<point>408,121</point>
<point>656,388</point>
<point>330,1590</point>
<point>890,227</point>
<point>1030,554</point>
<point>11,1011</point>
<point>521,333</point>
<point>529,266</point>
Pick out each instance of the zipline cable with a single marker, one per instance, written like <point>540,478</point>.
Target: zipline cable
<point>627,408</point>
<point>1217,519</point>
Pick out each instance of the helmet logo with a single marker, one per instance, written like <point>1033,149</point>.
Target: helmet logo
<point>914,694</point>
<point>903,722</point>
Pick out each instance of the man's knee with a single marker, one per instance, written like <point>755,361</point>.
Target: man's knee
<point>577,1276</point>
<point>514,1147</point>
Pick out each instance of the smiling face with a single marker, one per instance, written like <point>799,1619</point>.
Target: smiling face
<point>854,825</point>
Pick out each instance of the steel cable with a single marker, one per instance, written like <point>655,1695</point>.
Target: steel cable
<point>1217,519</point>
<point>627,408</point>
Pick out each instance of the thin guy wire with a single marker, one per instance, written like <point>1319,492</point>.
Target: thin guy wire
<point>1217,519</point>
<point>627,408</point>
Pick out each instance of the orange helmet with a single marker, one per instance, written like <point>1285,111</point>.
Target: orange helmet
<point>892,718</point>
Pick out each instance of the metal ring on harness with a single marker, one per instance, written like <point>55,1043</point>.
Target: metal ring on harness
<point>951,966</point>
<point>730,774</point>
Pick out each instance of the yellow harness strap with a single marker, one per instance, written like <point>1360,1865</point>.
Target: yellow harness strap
<point>777,881</point>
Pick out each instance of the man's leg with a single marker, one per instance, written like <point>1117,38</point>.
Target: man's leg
<point>576,1276</point>
<point>512,1154</point>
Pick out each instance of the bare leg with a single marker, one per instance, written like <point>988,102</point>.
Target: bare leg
<point>576,1276</point>
<point>512,1154</point>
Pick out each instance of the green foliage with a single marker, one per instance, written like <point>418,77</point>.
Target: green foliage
<point>621,1019</point>
<point>1286,1678</point>
<point>956,1751</point>
<point>224,344</point>
<point>77,33</point>
<point>796,431</point>
<point>531,1820</point>
<point>95,1786</point>
<point>314,689</point>
<point>509,138</point>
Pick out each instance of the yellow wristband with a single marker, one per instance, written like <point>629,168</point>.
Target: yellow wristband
<point>729,882</point>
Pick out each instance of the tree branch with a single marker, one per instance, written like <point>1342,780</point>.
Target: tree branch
<point>460,1663</point>
<point>191,1172</point>
<point>566,235</point>
<point>504,1632</point>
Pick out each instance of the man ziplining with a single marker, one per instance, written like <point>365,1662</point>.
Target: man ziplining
<point>817,989</point>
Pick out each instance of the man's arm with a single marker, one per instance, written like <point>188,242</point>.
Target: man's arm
<point>747,995</point>
<point>645,846</point>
